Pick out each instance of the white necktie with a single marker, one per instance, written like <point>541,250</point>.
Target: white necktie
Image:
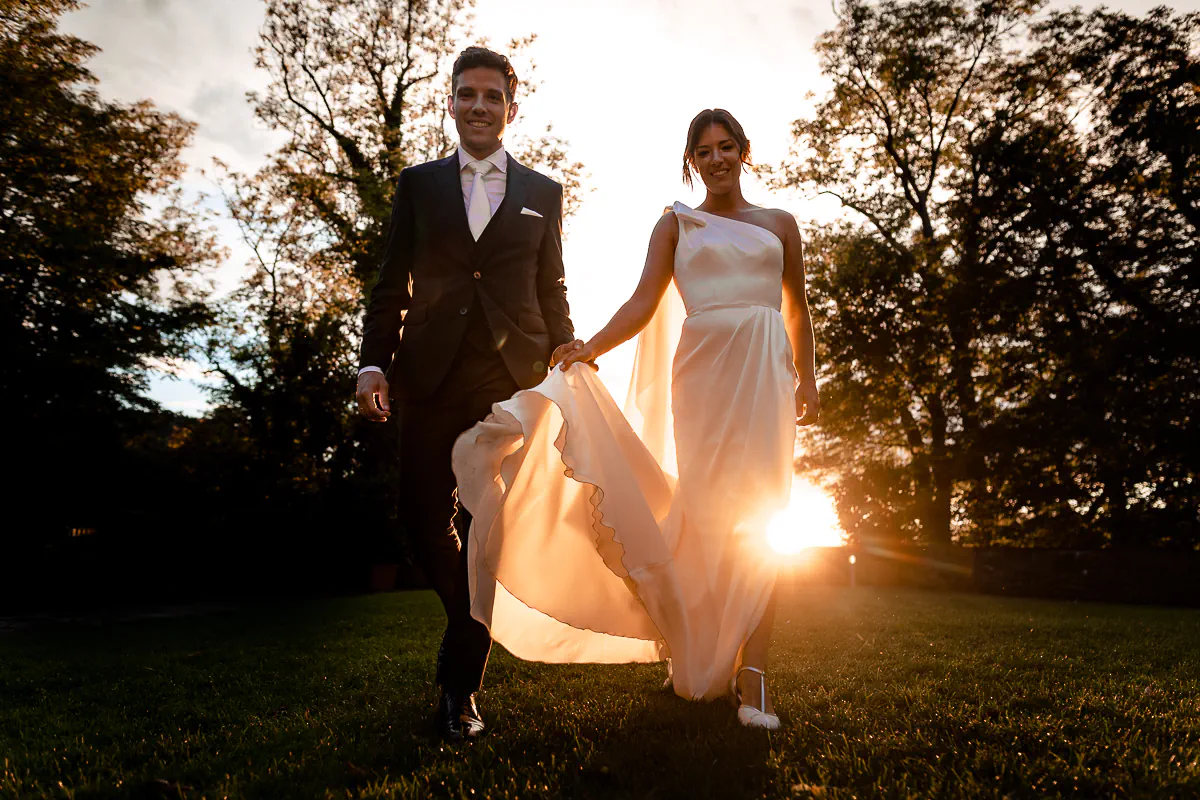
<point>479,211</point>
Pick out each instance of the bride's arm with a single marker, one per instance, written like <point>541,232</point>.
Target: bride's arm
<point>799,323</point>
<point>638,309</point>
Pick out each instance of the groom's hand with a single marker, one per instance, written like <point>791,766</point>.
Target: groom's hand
<point>373,400</point>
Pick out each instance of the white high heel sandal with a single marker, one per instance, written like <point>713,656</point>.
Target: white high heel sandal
<point>749,716</point>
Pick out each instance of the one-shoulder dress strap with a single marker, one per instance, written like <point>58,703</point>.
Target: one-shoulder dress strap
<point>687,215</point>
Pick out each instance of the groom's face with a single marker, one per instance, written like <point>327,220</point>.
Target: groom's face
<point>481,110</point>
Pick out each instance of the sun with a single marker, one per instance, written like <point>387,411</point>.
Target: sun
<point>809,520</point>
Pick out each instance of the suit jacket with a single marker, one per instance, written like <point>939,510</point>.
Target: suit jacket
<point>435,275</point>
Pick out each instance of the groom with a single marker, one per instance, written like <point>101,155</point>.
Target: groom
<point>470,306</point>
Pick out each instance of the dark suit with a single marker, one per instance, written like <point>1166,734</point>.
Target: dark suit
<point>458,325</point>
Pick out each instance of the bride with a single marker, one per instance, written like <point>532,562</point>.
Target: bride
<point>602,536</point>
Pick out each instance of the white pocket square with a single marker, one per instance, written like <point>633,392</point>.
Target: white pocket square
<point>530,212</point>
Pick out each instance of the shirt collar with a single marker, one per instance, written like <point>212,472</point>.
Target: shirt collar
<point>499,159</point>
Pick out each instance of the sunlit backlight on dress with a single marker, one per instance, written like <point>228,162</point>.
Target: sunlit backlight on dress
<point>809,520</point>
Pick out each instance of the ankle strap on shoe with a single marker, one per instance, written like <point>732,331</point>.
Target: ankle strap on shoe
<point>762,685</point>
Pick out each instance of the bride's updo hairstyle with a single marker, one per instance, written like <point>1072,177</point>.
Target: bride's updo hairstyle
<point>700,123</point>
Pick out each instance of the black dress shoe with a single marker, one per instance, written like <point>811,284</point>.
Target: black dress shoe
<point>458,717</point>
<point>468,715</point>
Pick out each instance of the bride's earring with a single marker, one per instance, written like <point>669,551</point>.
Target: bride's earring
<point>749,716</point>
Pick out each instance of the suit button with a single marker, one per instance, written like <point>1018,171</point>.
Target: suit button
<point>477,276</point>
<point>463,311</point>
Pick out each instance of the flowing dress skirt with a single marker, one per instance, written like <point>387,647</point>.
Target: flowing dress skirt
<point>607,537</point>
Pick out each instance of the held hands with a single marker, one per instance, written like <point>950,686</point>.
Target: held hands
<point>808,404</point>
<point>372,394</point>
<point>577,351</point>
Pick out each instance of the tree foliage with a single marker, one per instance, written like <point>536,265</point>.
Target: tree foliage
<point>1004,322</point>
<point>98,265</point>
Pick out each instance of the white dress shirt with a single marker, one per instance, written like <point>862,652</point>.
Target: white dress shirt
<point>495,181</point>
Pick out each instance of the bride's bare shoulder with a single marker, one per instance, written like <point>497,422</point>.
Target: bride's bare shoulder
<point>780,222</point>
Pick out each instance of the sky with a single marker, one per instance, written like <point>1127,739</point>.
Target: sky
<point>620,80</point>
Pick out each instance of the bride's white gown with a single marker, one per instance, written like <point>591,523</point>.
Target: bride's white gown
<point>607,537</point>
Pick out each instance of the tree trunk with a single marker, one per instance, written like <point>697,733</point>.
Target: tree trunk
<point>937,524</point>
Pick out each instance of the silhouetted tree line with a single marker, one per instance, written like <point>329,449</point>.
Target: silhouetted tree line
<point>1009,313</point>
<point>92,288</point>
<point>1005,316</point>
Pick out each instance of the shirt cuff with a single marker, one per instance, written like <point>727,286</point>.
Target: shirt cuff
<point>365,370</point>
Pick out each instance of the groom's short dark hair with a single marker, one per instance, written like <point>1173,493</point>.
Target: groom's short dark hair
<point>482,57</point>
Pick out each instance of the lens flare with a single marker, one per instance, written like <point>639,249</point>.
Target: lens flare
<point>809,520</point>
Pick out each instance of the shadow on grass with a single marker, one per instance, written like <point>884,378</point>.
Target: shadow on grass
<point>562,746</point>
<point>682,750</point>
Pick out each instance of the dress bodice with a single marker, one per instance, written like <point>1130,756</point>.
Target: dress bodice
<point>722,262</point>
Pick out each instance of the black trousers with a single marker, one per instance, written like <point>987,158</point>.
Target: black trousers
<point>429,507</point>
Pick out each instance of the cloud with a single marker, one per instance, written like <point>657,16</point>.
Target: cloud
<point>227,127</point>
<point>193,58</point>
<point>771,27</point>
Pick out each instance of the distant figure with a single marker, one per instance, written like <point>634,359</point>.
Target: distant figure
<point>607,537</point>
<point>478,238</point>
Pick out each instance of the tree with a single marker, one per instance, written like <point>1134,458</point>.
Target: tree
<point>358,88</point>
<point>889,143</point>
<point>93,285</point>
<point>1011,305</point>
<point>1110,230</point>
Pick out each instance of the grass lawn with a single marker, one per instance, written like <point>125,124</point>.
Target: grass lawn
<point>883,693</point>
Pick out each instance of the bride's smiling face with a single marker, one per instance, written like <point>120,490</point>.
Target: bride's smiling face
<point>717,158</point>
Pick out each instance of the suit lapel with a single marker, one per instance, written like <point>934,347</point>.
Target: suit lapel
<point>450,197</point>
<point>510,207</point>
